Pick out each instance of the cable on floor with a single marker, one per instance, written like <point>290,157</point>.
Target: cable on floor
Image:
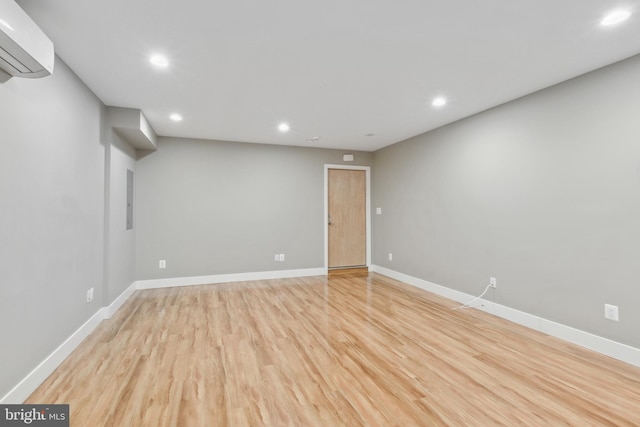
<point>469,304</point>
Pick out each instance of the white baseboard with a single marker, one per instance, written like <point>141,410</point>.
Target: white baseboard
<point>37,376</point>
<point>584,339</point>
<point>40,373</point>
<point>118,302</point>
<point>422,284</point>
<point>227,278</point>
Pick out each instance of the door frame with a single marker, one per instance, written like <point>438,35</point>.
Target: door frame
<point>367,170</point>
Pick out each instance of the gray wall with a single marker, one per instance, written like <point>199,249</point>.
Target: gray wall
<point>542,193</point>
<point>120,245</point>
<point>212,207</point>
<point>51,216</point>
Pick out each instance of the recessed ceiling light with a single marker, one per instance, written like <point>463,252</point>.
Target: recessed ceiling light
<point>283,127</point>
<point>176,117</point>
<point>159,61</point>
<point>615,17</point>
<point>439,101</point>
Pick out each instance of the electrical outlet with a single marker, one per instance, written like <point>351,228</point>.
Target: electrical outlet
<point>390,256</point>
<point>89,295</point>
<point>378,211</point>
<point>492,282</point>
<point>162,264</point>
<point>276,257</point>
<point>281,257</point>
<point>611,312</point>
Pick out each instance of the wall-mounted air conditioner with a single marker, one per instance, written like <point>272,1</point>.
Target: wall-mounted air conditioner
<point>25,51</point>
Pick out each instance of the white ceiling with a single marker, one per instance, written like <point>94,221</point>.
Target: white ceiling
<point>337,70</point>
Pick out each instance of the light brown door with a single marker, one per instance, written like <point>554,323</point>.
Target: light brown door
<point>347,218</point>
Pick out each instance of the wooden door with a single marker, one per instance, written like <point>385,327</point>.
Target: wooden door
<point>347,218</point>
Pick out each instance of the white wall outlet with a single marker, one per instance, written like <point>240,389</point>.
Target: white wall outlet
<point>611,312</point>
<point>162,263</point>
<point>378,211</point>
<point>281,257</point>
<point>89,295</point>
<point>492,282</point>
<point>276,257</point>
<point>390,256</point>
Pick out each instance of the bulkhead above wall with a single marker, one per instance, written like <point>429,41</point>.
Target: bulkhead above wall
<point>132,126</point>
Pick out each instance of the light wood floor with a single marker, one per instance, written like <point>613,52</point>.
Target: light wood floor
<point>339,351</point>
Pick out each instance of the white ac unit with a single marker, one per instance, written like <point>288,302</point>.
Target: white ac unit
<point>25,51</point>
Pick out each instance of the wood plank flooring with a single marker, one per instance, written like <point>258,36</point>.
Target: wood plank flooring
<point>339,351</point>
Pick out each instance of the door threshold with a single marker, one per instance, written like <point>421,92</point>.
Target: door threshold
<point>335,271</point>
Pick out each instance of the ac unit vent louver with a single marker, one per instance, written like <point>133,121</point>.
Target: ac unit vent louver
<point>25,51</point>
